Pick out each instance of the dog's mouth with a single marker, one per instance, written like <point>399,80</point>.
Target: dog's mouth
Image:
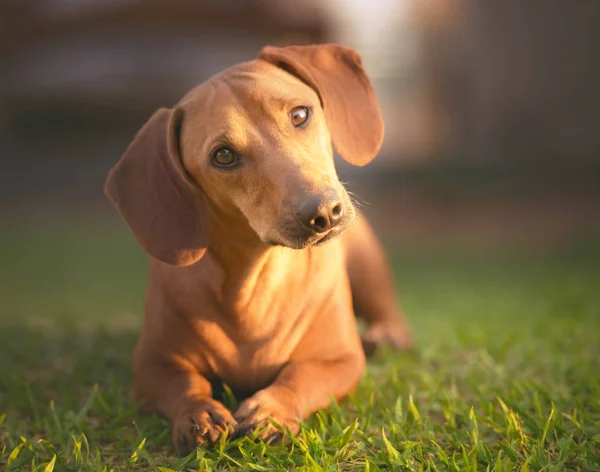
<point>302,242</point>
<point>322,239</point>
<point>316,239</point>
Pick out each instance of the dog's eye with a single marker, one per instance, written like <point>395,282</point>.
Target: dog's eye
<point>299,116</point>
<point>224,157</point>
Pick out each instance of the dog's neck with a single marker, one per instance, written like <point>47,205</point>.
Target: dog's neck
<point>247,262</point>
<point>234,244</point>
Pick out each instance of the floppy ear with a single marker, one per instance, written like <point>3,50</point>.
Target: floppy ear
<point>347,97</point>
<point>164,208</point>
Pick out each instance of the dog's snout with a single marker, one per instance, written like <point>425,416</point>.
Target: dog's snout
<point>321,213</point>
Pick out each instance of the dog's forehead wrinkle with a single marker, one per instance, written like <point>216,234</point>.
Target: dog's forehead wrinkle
<point>237,122</point>
<point>246,86</point>
<point>277,93</point>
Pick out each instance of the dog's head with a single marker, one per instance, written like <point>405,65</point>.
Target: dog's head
<point>253,143</point>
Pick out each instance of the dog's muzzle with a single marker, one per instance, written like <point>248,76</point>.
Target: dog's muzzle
<point>316,219</point>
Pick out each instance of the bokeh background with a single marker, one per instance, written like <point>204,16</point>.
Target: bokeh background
<point>492,109</point>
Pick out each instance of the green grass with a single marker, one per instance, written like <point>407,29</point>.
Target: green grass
<point>507,376</point>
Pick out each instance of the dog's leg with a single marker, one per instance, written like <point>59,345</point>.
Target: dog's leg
<point>184,397</point>
<point>373,293</point>
<point>326,365</point>
<point>300,389</point>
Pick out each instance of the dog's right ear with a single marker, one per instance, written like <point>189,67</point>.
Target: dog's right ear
<point>349,102</point>
<point>162,205</point>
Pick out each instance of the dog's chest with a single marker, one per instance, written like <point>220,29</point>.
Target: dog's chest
<point>252,341</point>
<point>248,355</point>
<point>250,327</point>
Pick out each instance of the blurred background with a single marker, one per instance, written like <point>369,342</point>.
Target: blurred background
<point>486,193</point>
<point>492,109</point>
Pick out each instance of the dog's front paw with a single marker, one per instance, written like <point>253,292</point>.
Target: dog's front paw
<point>201,424</point>
<point>254,414</point>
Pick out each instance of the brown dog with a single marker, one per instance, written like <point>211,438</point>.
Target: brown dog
<point>233,193</point>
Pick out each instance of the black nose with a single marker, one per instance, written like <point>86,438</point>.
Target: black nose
<point>320,213</point>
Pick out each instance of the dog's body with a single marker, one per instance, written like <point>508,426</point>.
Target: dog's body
<point>234,193</point>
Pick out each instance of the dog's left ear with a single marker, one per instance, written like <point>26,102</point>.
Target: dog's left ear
<point>347,96</point>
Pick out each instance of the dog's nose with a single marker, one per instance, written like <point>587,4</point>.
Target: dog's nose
<point>320,213</point>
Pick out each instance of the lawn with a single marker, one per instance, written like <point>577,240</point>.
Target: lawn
<point>507,375</point>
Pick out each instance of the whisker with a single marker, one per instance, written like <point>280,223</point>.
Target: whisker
<point>356,200</point>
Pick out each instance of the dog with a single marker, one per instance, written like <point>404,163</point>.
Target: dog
<point>258,258</point>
